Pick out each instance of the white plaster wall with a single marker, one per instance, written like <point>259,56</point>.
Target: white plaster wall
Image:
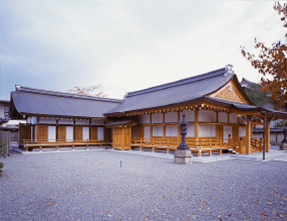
<point>147,132</point>
<point>98,122</point>
<point>82,122</point>
<point>226,131</point>
<point>190,130</point>
<point>157,118</point>
<point>144,119</point>
<point>171,130</point>
<point>242,131</point>
<point>171,117</point>
<point>66,121</point>
<point>32,133</point>
<point>233,118</point>
<point>46,120</point>
<point>157,131</point>
<point>101,133</point>
<point>206,116</point>
<point>51,133</point>
<point>86,135</point>
<point>33,120</point>
<point>69,133</point>
<point>36,133</point>
<point>206,130</point>
<point>222,117</point>
<point>189,115</point>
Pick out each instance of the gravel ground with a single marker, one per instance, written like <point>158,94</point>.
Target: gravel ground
<point>92,186</point>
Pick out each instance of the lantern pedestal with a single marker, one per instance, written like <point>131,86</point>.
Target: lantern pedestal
<point>283,144</point>
<point>182,154</point>
<point>182,157</point>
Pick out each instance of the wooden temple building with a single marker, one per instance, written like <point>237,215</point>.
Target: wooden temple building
<point>220,116</point>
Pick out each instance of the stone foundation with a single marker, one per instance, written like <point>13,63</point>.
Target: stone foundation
<point>283,146</point>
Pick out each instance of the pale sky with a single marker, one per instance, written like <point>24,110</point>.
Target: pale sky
<point>127,45</point>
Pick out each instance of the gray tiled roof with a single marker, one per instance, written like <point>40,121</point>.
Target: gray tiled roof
<point>177,92</point>
<point>29,101</point>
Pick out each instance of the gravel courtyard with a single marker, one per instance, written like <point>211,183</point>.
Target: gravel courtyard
<point>91,185</point>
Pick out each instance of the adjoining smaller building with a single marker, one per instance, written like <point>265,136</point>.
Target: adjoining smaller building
<point>55,118</point>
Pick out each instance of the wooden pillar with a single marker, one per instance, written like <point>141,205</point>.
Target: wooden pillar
<point>163,125</point>
<point>151,129</point>
<point>196,132</point>
<point>74,131</point>
<point>267,136</point>
<point>248,136</point>
<point>57,131</point>
<point>123,137</point>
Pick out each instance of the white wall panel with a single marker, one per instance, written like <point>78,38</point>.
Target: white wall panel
<point>68,121</point>
<point>226,131</point>
<point>189,115</point>
<point>171,117</point>
<point>33,120</point>
<point>86,133</point>
<point>36,133</point>
<point>190,130</point>
<point>222,117</point>
<point>144,119</point>
<point>157,118</point>
<point>233,118</point>
<point>242,131</point>
<point>171,130</point>
<point>206,130</point>
<point>69,133</point>
<point>51,133</point>
<point>101,133</point>
<point>207,116</point>
<point>147,132</point>
<point>157,131</point>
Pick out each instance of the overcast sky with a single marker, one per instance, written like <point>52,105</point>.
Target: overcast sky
<point>127,45</point>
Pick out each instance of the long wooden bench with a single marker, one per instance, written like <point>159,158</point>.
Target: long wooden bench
<point>197,146</point>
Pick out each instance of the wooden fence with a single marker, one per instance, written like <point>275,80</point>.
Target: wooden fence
<point>5,143</point>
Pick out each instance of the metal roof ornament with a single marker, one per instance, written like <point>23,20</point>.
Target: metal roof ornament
<point>228,69</point>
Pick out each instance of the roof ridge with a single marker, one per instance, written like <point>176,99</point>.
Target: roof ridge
<point>65,94</point>
<point>188,80</point>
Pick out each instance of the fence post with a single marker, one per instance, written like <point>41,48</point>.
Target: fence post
<point>261,144</point>
<point>141,147</point>
<point>229,139</point>
<point>240,146</point>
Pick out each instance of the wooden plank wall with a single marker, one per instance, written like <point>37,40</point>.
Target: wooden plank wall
<point>78,132</point>
<point>62,133</point>
<point>24,132</point>
<point>94,133</point>
<point>42,132</point>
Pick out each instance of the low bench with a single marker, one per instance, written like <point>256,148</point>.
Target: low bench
<point>31,146</point>
<point>198,149</point>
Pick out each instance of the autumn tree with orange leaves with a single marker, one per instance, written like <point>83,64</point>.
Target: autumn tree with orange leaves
<point>271,62</point>
<point>90,90</point>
